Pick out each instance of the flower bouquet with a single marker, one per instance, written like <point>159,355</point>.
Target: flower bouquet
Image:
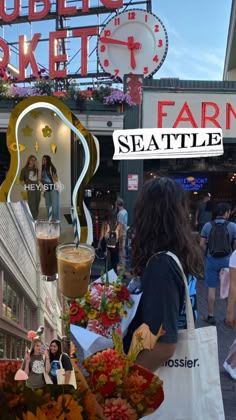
<point>102,307</point>
<point>51,402</point>
<point>107,304</point>
<point>124,390</point>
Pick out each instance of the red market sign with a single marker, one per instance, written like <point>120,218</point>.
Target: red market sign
<point>27,48</point>
<point>132,182</point>
<point>190,110</point>
<point>62,8</point>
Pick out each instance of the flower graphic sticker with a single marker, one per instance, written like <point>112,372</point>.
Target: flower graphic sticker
<point>47,131</point>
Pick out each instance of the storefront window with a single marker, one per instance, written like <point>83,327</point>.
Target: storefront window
<point>4,297</point>
<point>12,347</point>
<point>8,346</point>
<point>27,317</point>
<point>1,346</point>
<point>10,302</point>
<point>19,345</point>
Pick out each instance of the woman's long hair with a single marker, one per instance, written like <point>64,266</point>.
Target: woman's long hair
<point>49,167</point>
<point>28,161</point>
<point>59,351</point>
<point>112,219</point>
<point>161,223</point>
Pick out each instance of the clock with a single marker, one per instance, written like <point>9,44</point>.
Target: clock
<point>132,42</point>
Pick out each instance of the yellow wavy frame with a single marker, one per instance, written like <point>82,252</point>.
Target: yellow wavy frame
<point>91,150</point>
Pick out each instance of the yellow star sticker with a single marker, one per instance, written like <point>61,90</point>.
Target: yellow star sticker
<point>47,131</point>
<point>27,131</point>
<point>35,114</point>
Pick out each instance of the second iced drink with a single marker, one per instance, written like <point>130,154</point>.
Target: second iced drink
<point>74,267</point>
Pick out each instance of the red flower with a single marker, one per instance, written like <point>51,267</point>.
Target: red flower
<point>108,388</point>
<point>123,294</point>
<point>77,313</point>
<point>108,321</point>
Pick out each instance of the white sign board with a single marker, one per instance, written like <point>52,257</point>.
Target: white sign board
<point>132,182</point>
<point>166,143</point>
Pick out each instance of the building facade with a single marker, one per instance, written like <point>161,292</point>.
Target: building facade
<point>26,301</point>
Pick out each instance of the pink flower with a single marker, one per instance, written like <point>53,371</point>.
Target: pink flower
<point>31,334</point>
<point>118,409</point>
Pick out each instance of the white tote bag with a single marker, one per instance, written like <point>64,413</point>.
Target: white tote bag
<point>191,377</point>
<point>61,375</point>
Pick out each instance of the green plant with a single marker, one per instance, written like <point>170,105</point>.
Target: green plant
<point>100,93</point>
<point>46,86</point>
<point>4,86</point>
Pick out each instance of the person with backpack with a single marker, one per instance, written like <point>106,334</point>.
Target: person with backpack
<point>111,234</point>
<point>218,240</point>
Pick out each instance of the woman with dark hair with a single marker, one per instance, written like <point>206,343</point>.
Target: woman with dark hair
<point>36,361</point>
<point>49,177</point>
<point>56,356</point>
<point>161,224</point>
<point>111,237</point>
<point>29,177</point>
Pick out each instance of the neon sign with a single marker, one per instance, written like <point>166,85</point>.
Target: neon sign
<point>196,184</point>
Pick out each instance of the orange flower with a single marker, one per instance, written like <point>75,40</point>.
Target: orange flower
<point>39,415</point>
<point>91,405</point>
<point>70,407</point>
<point>13,401</point>
<point>51,409</point>
<point>136,398</point>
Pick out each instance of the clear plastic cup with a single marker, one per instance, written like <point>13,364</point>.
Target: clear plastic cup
<point>74,268</point>
<point>48,234</point>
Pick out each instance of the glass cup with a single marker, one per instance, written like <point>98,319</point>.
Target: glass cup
<point>48,234</point>
<point>74,268</point>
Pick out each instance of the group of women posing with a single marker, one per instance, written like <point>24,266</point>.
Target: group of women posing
<point>39,361</point>
<point>36,180</point>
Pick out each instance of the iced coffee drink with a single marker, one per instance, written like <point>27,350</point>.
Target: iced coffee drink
<point>74,267</point>
<point>47,234</point>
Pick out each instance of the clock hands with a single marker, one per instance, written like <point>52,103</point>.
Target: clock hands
<point>130,44</point>
<point>106,40</point>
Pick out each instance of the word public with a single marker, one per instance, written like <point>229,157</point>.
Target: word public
<point>27,48</point>
<point>167,143</point>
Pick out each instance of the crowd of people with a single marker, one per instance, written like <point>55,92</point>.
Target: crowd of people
<point>38,180</point>
<point>161,226</point>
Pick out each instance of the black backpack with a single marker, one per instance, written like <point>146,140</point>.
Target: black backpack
<point>112,238</point>
<point>219,244</point>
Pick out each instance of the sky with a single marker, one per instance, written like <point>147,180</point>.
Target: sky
<point>197,33</point>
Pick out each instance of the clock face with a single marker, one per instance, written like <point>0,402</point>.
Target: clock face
<point>132,42</point>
